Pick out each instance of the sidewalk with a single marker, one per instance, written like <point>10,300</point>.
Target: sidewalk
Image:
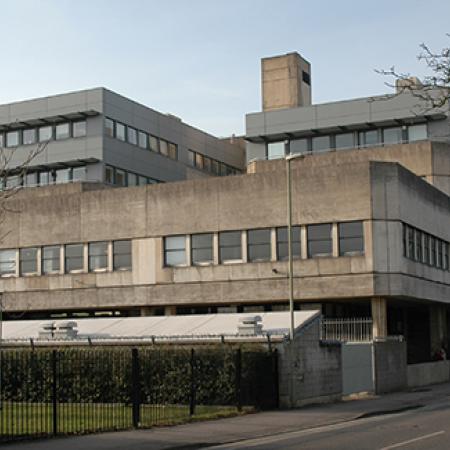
<point>196,435</point>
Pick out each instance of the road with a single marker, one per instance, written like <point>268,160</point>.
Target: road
<point>423,428</point>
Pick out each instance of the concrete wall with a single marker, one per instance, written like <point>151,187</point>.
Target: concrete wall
<point>309,372</point>
<point>390,366</point>
<point>428,373</point>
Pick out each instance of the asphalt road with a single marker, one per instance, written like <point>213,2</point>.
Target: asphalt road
<point>426,428</point>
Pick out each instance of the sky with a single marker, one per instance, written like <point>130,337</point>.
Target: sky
<point>200,59</point>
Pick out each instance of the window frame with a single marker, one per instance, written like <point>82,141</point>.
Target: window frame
<point>228,246</point>
<point>310,240</point>
<point>180,250</point>
<point>104,255</point>
<point>116,267</point>
<point>345,238</point>
<point>205,262</point>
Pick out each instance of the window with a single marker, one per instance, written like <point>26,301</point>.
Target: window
<point>44,178</point>
<point>432,251</point>
<point>29,136</point>
<point>258,242</point>
<point>306,78</point>
<point>173,152</point>
<point>319,240</point>
<point>132,179</point>
<point>63,175</point>
<point>215,167</point>
<point>28,261</point>
<point>79,173</point>
<point>122,255</point>
<point>207,163</point>
<point>369,138</point>
<point>320,143</point>
<point>392,135</point>
<point>31,179</point>
<point>345,140</point>
<point>223,169</point>
<point>154,145</point>
<point>417,132</point>
<point>410,242</point>
<point>62,131</point>
<point>142,180</point>
<point>445,250</point>
<point>132,136</point>
<point>230,246</point>
<point>163,147</point>
<point>79,129</point>
<point>143,140</point>
<point>275,150</point>
<point>191,158</point>
<point>109,174</point>
<point>12,139</point>
<point>282,243</point>
<point>440,254</point>
<point>7,262</point>
<point>45,133</point>
<point>199,161</point>
<point>426,248</point>
<point>202,248</point>
<point>51,259</point>
<point>351,238</point>
<point>120,177</point>
<point>175,251</point>
<point>109,127</point>
<point>299,146</point>
<point>74,258</point>
<point>120,131</point>
<point>98,256</point>
<point>418,245</point>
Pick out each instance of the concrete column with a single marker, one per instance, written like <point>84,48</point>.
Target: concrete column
<point>273,244</point>
<point>39,260</point>
<point>379,317</point>
<point>110,257</point>
<point>170,310</point>
<point>335,239</point>
<point>438,327</point>
<point>244,246</point>
<point>216,249</point>
<point>303,243</point>
<point>62,259</point>
<point>17,263</point>
<point>85,257</point>
<point>188,250</point>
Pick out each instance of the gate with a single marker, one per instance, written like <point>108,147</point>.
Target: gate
<point>357,368</point>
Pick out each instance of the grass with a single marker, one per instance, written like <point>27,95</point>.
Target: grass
<point>36,419</point>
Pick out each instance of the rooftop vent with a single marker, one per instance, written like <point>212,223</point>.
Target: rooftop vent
<point>250,326</point>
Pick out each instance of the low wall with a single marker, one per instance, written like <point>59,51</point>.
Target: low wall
<point>428,373</point>
<point>309,371</point>
<point>390,366</point>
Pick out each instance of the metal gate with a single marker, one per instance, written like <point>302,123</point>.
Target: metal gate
<point>357,368</point>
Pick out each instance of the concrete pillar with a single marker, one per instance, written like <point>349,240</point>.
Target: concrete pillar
<point>379,317</point>
<point>170,310</point>
<point>146,311</point>
<point>438,327</point>
<point>273,244</point>
<point>303,242</point>
<point>335,239</point>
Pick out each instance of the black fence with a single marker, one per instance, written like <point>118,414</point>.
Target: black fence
<point>51,392</point>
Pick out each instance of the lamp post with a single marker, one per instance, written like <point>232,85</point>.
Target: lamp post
<point>288,158</point>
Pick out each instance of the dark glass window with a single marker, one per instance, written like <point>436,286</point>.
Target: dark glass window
<point>163,147</point>
<point>306,78</point>
<point>411,242</point>
<point>319,240</point>
<point>29,136</point>
<point>79,129</point>
<point>426,248</point>
<point>202,248</point>
<point>50,259</point>
<point>173,151</point>
<point>74,257</point>
<point>62,131</point>
<point>418,245</point>
<point>191,158</point>
<point>109,174</point>
<point>417,132</point>
<point>230,246</point>
<point>120,131</point>
<point>143,140</point>
<point>282,243</point>
<point>207,164</point>
<point>299,146</point>
<point>320,144</point>
<point>199,161</point>
<point>392,135</point>
<point>351,238</point>
<point>109,127</point>
<point>345,140</point>
<point>175,251</point>
<point>154,145</point>
<point>132,179</point>
<point>7,262</point>
<point>258,244</point>
<point>132,135</point>
<point>215,168</point>
<point>275,150</point>
<point>445,256</point>
<point>122,255</point>
<point>433,253</point>
<point>98,256</point>
<point>369,138</point>
<point>120,177</point>
<point>440,254</point>
<point>28,261</point>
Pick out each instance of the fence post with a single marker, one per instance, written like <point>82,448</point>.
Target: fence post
<point>238,379</point>
<point>192,393</point>
<point>136,387</point>
<point>54,362</point>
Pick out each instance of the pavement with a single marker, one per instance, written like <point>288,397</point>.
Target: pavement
<point>202,434</point>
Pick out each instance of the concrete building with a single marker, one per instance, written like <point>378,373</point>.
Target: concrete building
<point>370,214</point>
<point>98,135</point>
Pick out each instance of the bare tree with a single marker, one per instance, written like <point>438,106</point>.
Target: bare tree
<point>433,90</point>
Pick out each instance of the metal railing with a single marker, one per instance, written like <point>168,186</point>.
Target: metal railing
<point>346,330</point>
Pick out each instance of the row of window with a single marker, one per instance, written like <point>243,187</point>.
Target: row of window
<point>210,165</point>
<point>69,258</point>
<point>140,138</point>
<point>425,248</point>
<point>259,244</point>
<point>43,178</point>
<point>28,136</point>
<point>353,139</point>
<point>120,177</point>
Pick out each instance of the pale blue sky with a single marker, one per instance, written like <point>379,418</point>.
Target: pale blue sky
<point>200,59</point>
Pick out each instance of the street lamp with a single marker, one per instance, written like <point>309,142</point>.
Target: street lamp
<point>288,158</point>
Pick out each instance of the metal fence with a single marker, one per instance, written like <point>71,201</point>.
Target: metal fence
<point>51,392</point>
<point>348,330</point>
